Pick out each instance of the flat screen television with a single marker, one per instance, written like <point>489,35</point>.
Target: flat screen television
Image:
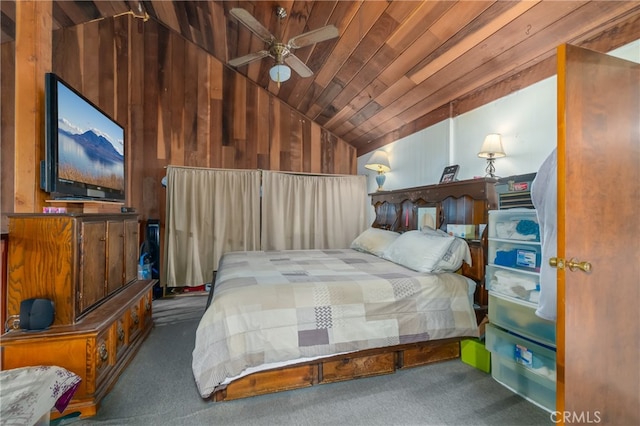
<point>84,147</point>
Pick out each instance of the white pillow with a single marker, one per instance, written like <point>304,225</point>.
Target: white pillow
<point>418,251</point>
<point>374,241</point>
<point>457,252</point>
<point>452,260</point>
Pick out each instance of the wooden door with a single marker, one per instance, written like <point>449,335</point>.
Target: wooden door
<point>93,253</point>
<point>598,222</point>
<point>115,255</point>
<point>132,246</point>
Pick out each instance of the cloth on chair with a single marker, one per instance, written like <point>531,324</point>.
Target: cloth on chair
<point>28,394</point>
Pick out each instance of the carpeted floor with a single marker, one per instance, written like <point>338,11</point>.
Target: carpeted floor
<point>178,309</point>
<point>157,388</point>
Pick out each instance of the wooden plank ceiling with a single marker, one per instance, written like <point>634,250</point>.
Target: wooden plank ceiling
<point>397,66</point>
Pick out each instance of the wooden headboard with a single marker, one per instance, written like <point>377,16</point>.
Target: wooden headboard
<point>465,202</point>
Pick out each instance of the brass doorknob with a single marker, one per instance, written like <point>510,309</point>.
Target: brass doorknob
<point>556,262</point>
<point>576,264</point>
<point>573,264</point>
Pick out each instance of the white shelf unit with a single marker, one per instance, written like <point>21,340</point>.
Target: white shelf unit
<point>522,345</point>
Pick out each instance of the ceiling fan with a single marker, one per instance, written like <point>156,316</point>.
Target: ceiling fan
<point>276,49</point>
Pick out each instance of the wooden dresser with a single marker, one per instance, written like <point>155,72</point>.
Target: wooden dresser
<point>86,264</point>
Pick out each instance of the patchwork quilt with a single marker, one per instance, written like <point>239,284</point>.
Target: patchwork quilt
<point>282,306</point>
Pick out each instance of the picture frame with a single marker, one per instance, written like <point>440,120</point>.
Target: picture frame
<point>449,174</point>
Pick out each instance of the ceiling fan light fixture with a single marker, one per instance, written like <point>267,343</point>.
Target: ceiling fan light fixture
<point>280,73</point>
<point>276,49</point>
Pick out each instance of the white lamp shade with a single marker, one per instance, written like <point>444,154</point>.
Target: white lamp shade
<point>379,162</point>
<point>492,147</point>
<point>280,73</point>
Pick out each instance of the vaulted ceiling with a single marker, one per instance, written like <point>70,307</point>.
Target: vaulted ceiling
<point>397,66</point>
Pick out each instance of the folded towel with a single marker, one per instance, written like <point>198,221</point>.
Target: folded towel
<point>513,279</point>
<point>518,230</point>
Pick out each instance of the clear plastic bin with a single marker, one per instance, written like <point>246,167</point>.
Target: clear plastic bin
<point>536,388</point>
<point>531,355</point>
<point>519,317</point>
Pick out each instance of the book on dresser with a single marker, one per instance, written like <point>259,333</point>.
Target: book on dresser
<point>87,265</point>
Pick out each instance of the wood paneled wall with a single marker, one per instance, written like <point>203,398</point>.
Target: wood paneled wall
<point>179,106</point>
<point>7,130</point>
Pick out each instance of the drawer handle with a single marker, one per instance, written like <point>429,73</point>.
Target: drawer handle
<point>134,316</point>
<point>147,306</point>
<point>120,332</point>
<point>103,352</point>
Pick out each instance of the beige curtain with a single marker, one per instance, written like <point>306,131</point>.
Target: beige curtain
<point>312,211</point>
<point>209,212</point>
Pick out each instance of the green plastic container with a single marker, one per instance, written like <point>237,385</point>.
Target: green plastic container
<point>475,354</point>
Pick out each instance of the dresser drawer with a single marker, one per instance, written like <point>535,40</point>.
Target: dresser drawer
<point>104,354</point>
<point>520,317</point>
<point>121,336</point>
<point>532,356</point>
<point>135,321</point>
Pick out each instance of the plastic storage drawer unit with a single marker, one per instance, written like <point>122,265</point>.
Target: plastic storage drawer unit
<point>520,317</point>
<point>514,254</point>
<point>531,355</point>
<point>513,374</point>
<point>533,387</point>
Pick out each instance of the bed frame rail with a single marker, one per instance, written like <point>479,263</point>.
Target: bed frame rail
<point>372,362</point>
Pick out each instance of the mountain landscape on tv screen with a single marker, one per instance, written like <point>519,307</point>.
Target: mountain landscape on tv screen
<point>89,157</point>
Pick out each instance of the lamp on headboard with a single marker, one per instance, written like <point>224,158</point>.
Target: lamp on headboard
<point>379,162</point>
<point>491,149</point>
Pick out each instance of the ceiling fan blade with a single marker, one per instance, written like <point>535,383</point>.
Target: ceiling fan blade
<point>298,66</point>
<point>247,59</point>
<point>252,24</point>
<point>313,36</point>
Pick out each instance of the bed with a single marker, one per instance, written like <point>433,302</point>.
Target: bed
<point>288,319</point>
